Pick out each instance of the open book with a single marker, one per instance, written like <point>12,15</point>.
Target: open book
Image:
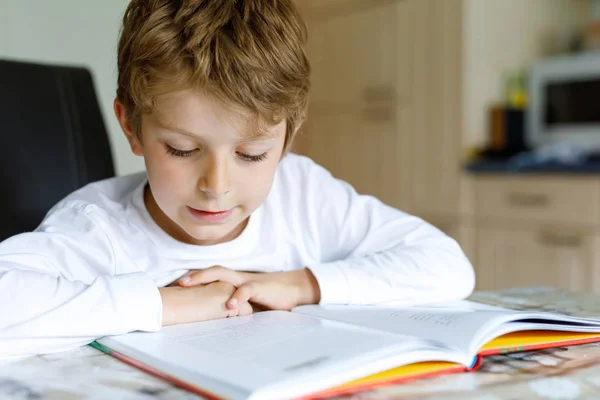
<point>317,351</point>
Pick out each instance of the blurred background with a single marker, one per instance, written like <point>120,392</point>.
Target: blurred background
<point>480,116</point>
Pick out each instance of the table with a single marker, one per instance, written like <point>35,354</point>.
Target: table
<point>561,373</point>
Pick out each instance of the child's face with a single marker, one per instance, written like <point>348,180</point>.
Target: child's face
<point>206,175</point>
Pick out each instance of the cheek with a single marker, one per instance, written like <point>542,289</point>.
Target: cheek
<point>167,177</point>
<point>255,183</point>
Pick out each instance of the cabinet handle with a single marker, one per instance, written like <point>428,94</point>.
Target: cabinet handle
<point>528,200</point>
<point>560,240</point>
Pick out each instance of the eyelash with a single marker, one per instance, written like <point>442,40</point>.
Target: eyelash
<point>245,157</point>
<point>251,158</point>
<point>180,153</point>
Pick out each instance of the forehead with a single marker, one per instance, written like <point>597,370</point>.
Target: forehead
<point>193,112</point>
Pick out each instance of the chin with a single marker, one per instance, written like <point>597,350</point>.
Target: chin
<point>208,233</point>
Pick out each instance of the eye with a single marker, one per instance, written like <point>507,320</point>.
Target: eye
<point>252,158</point>
<point>180,153</point>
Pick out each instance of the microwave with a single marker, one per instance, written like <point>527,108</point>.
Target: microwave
<point>564,102</point>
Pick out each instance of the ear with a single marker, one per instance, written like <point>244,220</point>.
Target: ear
<point>132,138</point>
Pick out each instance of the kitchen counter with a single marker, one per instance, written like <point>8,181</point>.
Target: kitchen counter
<point>565,373</point>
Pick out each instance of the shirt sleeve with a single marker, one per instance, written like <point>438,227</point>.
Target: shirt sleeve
<point>59,290</point>
<point>372,253</point>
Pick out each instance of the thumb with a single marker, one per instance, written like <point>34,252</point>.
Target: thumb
<point>243,294</point>
<point>178,281</point>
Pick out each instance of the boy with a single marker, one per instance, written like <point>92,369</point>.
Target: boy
<point>211,93</point>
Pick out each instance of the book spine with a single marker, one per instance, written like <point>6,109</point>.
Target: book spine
<point>476,364</point>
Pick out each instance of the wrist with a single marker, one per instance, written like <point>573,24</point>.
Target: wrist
<point>309,291</point>
<point>167,295</point>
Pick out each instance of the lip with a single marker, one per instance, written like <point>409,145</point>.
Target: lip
<point>210,216</point>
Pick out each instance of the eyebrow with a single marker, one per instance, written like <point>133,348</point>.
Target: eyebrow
<point>177,130</point>
<point>253,135</point>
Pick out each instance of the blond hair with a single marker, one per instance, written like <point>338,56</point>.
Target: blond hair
<point>246,53</point>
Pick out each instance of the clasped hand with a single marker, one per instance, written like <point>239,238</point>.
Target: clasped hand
<point>219,292</point>
<point>274,291</point>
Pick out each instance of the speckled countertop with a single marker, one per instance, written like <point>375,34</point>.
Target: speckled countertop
<point>562,373</point>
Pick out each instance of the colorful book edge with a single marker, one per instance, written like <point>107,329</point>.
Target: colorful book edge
<point>510,343</point>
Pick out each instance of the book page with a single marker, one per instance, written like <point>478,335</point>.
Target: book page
<point>283,341</point>
<point>457,327</point>
<point>461,325</point>
<point>265,348</point>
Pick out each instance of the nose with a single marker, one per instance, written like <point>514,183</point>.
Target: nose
<point>215,180</point>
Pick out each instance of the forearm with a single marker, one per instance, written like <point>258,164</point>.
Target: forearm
<point>49,314</point>
<point>429,272</point>
<point>181,305</point>
<point>372,253</point>
<point>170,303</point>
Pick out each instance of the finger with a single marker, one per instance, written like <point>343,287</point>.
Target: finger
<point>234,312</point>
<point>177,282</point>
<point>243,294</point>
<point>204,276</point>
<point>245,309</point>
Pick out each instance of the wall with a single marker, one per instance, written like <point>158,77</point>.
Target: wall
<point>71,32</point>
<point>501,36</point>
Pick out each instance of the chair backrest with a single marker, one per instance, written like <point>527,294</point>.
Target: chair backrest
<point>53,140</point>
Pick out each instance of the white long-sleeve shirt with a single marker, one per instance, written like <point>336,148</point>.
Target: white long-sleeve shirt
<point>94,265</point>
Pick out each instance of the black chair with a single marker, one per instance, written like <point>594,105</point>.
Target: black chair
<point>52,139</point>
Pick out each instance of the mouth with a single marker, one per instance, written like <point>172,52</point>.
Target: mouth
<point>210,216</point>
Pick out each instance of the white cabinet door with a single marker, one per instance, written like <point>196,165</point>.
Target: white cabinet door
<point>437,99</point>
<point>362,150</point>
<point>359,119</point>
<point>354,54</point>
<point>560,257</point>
